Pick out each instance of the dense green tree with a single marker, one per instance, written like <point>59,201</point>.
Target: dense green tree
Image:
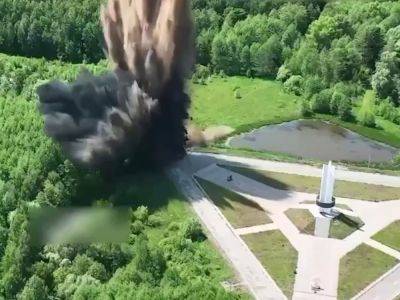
<point>268,57</point>
<point>34,289</point>
<point>386,80</point>
<point>370,42</point>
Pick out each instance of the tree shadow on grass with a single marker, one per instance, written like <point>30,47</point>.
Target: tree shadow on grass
<point>258,176</point>
<point>221,195</point>
<point>238,210</point>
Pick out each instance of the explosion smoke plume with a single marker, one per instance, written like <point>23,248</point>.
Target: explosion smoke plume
<point>138,111</point>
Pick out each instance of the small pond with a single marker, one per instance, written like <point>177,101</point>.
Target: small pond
<point>316,140</point>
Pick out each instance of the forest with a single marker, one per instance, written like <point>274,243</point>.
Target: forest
<point>341,57</point>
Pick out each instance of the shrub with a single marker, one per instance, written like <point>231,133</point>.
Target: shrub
<point>345,109</point>
<point>305,108</point>
<point>337,98</point>
<point>237,94</point>
<point>201,74</point>
<point>249,73</point>
<point>141,214</point>
<point>366,115</point>
<point>192,230</point>
<point>283,73</point>
<point>294,85</point>
<point>320,103</point>
<point>312,86</point>
<point>388,111</point>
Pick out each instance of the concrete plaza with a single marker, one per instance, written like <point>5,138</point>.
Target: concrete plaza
<point>318,257</point>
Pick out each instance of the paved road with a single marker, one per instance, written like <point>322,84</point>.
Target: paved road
<point>245,263</point>
<point>385,288</point>
<point>202,160</point>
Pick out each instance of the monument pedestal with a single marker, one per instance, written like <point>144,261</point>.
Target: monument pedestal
<point>326,208</point>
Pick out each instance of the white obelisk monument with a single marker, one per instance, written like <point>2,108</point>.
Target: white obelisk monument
<point>326,201</point>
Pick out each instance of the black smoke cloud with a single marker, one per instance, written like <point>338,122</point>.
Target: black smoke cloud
<point>135,114</point>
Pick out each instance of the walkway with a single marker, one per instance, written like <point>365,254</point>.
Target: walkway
<point>201,160</point>
<point>256,229</point>
<point>310,260</point>
<point>243,260</point>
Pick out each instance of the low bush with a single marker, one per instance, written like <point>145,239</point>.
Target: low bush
<point>366,115</point>
<point>320,103</point>
<point>294,85</point>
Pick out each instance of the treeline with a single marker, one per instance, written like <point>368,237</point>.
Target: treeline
<point>250,37</point>
<point>70,30</point>
<point>351,48</point>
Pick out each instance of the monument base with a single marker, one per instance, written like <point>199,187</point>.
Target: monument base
<point>326,209</point>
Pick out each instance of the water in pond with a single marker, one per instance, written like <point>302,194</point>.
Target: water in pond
<point>314,139</point>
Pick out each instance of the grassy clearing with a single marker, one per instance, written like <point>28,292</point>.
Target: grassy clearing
<point>344,225</point>
<point>390,236</point>
<point>238,210</point>
<point>277,256</point>
<point>338,205</point>
<point>311,185</point>
<point>168,206</point>
<point>361,267</point>
<point>302,219</point>
<point>263,102</point>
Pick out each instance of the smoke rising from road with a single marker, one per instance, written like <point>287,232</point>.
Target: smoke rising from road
<point>137,112</point>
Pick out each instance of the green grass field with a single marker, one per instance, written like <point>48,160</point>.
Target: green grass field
<point>390,236</point>
<point>277,256</point>
<point>309,184</point>
<point>302,219</point>
<point>263,102</point>
<point>238,210</point>
<point>361,267</point>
